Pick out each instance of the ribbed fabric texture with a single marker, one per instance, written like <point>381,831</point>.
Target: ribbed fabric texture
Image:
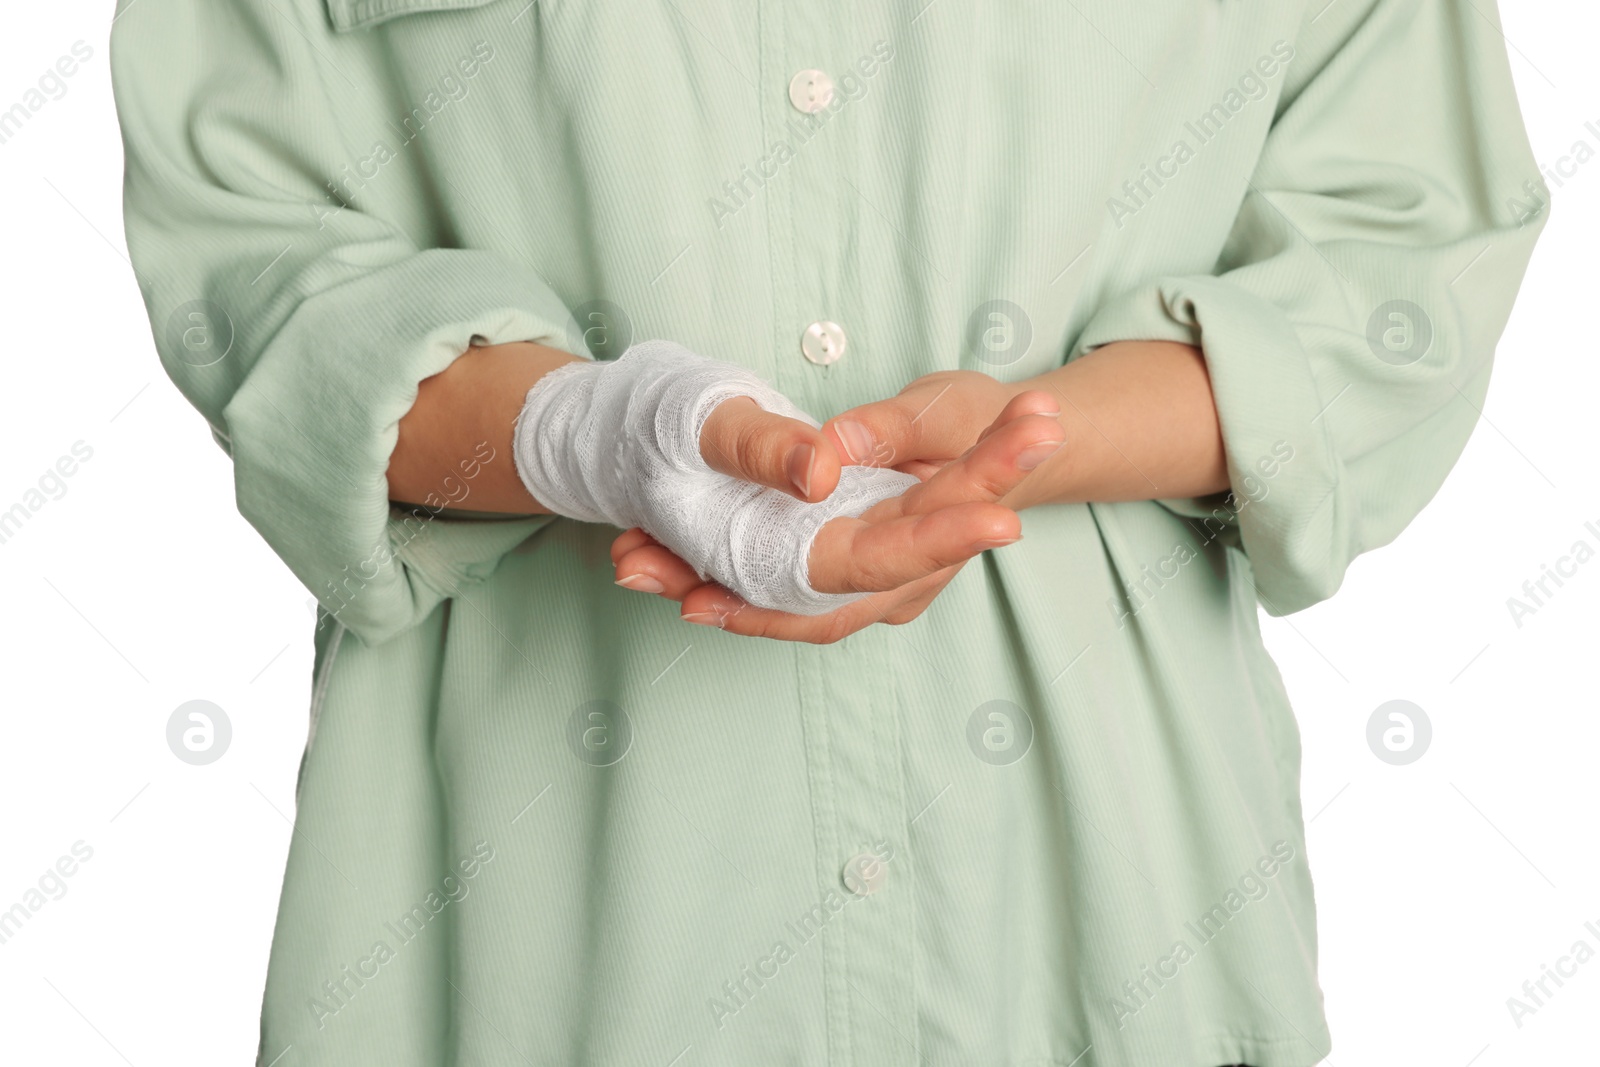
<point>542,821</point>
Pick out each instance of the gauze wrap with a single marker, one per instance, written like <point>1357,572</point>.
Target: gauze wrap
<point>618,442</point>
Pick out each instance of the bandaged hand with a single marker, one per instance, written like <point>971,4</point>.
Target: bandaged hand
<point>619,442</point>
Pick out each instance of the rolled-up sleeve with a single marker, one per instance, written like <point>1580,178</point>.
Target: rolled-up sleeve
<point>299,325</point>
<point>1351,321</point>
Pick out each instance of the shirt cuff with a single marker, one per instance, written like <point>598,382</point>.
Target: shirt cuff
<point>314,424</point>
<point>1282,468</point>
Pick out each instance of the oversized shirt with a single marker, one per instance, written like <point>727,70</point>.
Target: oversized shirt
<point>1054,820</point>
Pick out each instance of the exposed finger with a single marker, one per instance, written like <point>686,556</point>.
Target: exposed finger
<point>627,541</point>
<point>712,605</point>
<point>854,555</point>
<point>653,568</point>
<point>992,469</point>
<point>934,418</point>
<point>920,469</point>
<point>1032,402</point>
<point>743,440</point>
<point>880,434</point>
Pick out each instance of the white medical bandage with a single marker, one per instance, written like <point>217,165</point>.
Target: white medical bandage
<point>619,442</point>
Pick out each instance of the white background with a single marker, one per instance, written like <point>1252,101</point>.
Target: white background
<point>1442,885</point>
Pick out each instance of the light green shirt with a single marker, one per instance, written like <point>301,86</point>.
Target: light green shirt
<point>1055,820</point>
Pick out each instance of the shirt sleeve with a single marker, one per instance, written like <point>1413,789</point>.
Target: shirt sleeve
<point>297,323</point>
<point>1351,321</point>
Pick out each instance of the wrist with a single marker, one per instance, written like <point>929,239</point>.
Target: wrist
<point>1140,424</point>
<point>1052,481</point>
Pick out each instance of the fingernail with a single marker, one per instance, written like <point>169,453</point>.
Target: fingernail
<point>799,465</point>
<point>703,618</point>
<point>856,439</point>
<point>642,583</point>
<point>984,546</point>
<point>1034,455</point>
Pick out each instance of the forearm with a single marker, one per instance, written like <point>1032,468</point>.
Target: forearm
<point>465,415</point>
<point>1141,425</point>
<point>1140,420</point>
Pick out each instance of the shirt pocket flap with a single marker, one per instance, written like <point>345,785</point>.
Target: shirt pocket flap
<point>350,15</point>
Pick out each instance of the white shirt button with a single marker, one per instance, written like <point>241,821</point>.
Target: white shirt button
<point>823,343</point>
<point>811,91</point>
<point>865,874</point>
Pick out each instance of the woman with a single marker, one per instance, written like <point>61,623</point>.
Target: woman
<point>1248,259</point>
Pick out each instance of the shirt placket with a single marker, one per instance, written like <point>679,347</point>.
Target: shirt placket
<point>871,862</point>
<point>847,691</point>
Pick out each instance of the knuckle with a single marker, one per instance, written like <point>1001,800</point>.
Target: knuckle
<point>908,424</point>
<point>873,575</point>
<point>991,482</point>
<point>751,447</point>
<point>836,629</point>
